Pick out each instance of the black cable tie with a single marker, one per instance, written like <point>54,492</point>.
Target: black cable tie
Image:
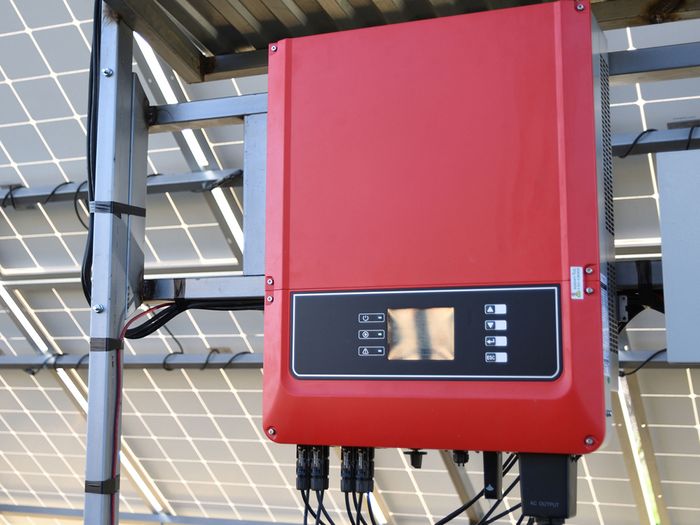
<point>11,195</point>
<point>106,344</point>
<point>116,208</point>
<point>108,486</point>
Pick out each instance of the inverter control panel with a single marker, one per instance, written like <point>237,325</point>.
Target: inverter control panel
<point>440,235</point>
<point>459,334</point>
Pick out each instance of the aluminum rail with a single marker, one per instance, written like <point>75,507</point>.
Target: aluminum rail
<point>629,360</point>
<point>656,142</point>
<point>35,363</point>
<point>236,287</point>
<point>29,511</point>
<point>655,63</point>
<point>204,113</point>
<point>160,183</point>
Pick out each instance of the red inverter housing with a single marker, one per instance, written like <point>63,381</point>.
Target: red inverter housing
<point>438,231</point>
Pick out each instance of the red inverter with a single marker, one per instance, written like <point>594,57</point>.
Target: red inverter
<point>439,234</point>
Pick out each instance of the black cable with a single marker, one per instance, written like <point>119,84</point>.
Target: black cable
<point>507,466</point>
<point>520,520</point>
<point>206,361</point>
<point>319,496</point>
<point>177,341</point>
<point>233,358</point>
<point>347,508</point>
<point>369,509</point>
<point>690,137</point>
<point>362,519</point>
<point>76,198</point>
<point>34,371</point>
<point>359,517</point>
<point>11,195</point>
<point>80,361</point>
<point>485,519</point>
<point>319,508</point>
<point>531,521</point>
<point>166,314</point>
<point>643,364</point>
<point>91,154</point>
<point>53,191</point>
<point>307,504</point>
<point>504,513</point>
<point>635,141</point>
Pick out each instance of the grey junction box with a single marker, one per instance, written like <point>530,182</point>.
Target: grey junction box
<point>679,200</point>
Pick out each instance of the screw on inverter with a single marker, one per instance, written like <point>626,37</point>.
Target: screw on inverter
<point>589,290</point>
<point>270,281</point>
<point>319,467</point>
<point>460,457</point>
<point>303,468</point>
<point>416,456</point>
<point>588,270</point>
<point>348,460</point>
<point>580,7</point>
<point>364,471</point>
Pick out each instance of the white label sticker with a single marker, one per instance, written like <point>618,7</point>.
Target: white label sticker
<point>577,283</point>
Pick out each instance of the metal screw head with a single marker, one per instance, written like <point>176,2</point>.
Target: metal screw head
<point>609,413</point>
<point>589,441</point>
<point>273,48</point>
<point>589,270</point>
<point>271,431</point>
<point>269,298</point>
<point>580,7</point>
<point>589,290</point>
<point>98,308</point>
<point>107,72</point>
<point>270,281</point>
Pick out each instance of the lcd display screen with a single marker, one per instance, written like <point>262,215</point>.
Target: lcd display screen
<point>421,334</point>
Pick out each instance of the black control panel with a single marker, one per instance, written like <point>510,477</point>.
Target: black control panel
<point>509,333</point>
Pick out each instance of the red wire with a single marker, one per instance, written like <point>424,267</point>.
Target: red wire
<point>117,408</point>
<point>139,316</point>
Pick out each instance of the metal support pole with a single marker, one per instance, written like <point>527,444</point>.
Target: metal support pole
<point>117,265</point>
<point>463,486</point>
<point>254,172</point>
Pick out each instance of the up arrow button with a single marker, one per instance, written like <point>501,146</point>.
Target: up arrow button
<point>498,309</point>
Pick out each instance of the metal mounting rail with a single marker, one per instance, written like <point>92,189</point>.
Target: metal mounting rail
<point>159,183</point>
